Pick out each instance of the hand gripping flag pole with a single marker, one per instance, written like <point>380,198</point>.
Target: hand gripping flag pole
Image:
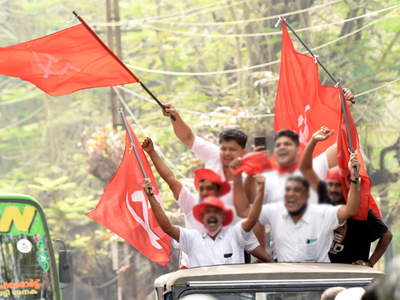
<point>121,111</point>
<point>337,83</point>
<point>120,62</point>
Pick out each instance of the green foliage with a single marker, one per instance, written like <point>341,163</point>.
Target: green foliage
<point>42,156</point>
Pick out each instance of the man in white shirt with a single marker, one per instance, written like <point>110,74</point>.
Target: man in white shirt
<point>232,144</point>
<point>215,244</point>
<point>208,183</point>
<point>303,231</point>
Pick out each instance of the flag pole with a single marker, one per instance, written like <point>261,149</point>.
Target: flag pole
<point>121,111</point>
<point>120,62</point>
<point>337,82</point>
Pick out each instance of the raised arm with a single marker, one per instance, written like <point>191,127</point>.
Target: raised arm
<point>174,184</point>
<point>353,199</point>
<point>181,129</point>
<point>240,200</point>
<point>162,219</point>
<point>255,209</point>
<point>331,152</point>
<point>306,163</point>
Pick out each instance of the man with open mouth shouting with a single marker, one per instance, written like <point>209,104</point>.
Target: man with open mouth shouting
<point>207,183</point>
<point>216,244</point>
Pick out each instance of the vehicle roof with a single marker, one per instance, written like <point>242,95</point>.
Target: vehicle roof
<point>19,197</point>
<point>266,271</point>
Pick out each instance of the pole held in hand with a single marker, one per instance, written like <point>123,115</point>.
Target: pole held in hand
<point>337,83</point>
<point>133,146</point>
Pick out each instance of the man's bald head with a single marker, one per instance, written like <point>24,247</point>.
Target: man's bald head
<point>331,293</point>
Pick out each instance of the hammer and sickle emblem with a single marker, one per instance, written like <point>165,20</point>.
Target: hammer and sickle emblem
<point>47,70</point>
<point>303,120</point>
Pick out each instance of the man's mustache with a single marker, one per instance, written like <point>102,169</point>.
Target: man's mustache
<point>334,194</point>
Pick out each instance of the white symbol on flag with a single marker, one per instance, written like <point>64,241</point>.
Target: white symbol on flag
<point>47,70</point>
<point>138,197</point>
<point>303,120</point>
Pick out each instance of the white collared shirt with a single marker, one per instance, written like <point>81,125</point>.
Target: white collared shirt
<point>307,241</point>
<point>186,201</point>
<point>202,250</point>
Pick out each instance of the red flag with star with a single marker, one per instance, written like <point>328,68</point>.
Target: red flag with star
<point>125,210</point>
<point>302,103</point>
<point>65,61</point>
<point>343,157</point>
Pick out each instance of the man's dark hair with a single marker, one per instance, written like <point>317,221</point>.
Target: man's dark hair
<point>302,180</point>
<point>233,135</point>
<point>290,134</point>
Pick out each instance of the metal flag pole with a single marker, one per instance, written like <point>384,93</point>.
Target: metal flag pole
<point>121,111</point>
<point>337,82</point>
<point>120,62</point>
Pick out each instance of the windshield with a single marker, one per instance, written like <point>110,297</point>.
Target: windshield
<point>26,270</point>
<point>300,295</point>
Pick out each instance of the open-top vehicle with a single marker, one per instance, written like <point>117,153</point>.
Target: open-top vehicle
<point>274,281</point>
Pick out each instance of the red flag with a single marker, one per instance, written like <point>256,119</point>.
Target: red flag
<point>253,163</point>
<point>64,62</point>
<point>126,211</point>
<point>343,156</point>
<point>302,103</point>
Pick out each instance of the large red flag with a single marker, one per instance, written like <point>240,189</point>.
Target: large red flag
<point>302,103</point>
<point>126,211</point>
<point>64,62</point>
<point>343,156</point>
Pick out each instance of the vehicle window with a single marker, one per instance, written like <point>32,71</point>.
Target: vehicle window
<point>314,295</point>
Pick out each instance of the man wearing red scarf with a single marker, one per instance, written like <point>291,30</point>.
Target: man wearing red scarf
<point>352,241</point>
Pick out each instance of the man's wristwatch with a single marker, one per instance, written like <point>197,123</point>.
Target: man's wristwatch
<point>355,181</point>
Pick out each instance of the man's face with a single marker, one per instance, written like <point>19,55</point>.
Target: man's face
<point>296,195</point>
<point>212,218</point>
<point>208,188</point>
<point>286,152</point>
<point>335,191</point>
<point>229,151</point>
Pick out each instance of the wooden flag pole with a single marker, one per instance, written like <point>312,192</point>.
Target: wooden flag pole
<point>337,82</point>
<point>121,111</point>
<point>120,62</point>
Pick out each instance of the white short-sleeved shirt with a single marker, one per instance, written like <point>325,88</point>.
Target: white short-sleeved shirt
<point>307,241</point>
<point>202,250</point>
<point>186,201</point>
<point>275,183</point>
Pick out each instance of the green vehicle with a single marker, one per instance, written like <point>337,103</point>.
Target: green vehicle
<point>27,263</point>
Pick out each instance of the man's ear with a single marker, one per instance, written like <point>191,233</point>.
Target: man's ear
<point>244,151</point>
<point>298,150</point>
<point>223,217</point>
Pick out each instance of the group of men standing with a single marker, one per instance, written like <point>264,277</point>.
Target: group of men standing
<point>225,221</point>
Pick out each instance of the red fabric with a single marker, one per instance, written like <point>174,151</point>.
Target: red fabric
<point>302,103</point>
<point>253,163</point>
<point>198,209</point>
<point>64,62</point>
<point>291,169</point>
<point>125,209</point>
<point>210,175</point>
<point>333,174</point>
<point>343,156</point>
